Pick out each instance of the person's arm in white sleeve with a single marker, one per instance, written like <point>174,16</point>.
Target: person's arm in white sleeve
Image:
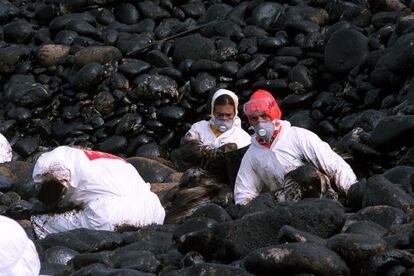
<point>248,184</point>
<point>191,135</point>
<point>320,154</point>
<point>5,150</point>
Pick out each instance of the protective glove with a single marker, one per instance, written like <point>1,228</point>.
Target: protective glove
<point>214,160</point>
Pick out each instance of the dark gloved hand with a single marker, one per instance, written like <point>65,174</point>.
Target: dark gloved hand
<point>214,160</point>
<point>209,154</point>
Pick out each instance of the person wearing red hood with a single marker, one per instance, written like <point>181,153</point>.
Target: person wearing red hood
<point>279,150</point>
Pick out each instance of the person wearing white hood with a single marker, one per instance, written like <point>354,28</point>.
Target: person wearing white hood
<point>280,153</point>
<point>223,128</point>
<point>109,191</point>
<point>18,255</point>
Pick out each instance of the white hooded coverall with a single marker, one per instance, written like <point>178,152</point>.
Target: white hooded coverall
<point>109,188</point>
<point>293,147</point>
<point>5,150</point>
<point>18,255</point>
<point>202,130</point>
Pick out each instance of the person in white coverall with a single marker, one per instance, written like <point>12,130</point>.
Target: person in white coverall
<point>278,149</point>
<point>205,137</point>
<point>18,255</point>
<point>109,190</point>
<point>5,150</point>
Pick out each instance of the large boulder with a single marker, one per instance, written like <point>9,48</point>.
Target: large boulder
<point>235,239</point>
<point>295,258</point>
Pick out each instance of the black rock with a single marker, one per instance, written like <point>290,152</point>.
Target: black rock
<point>393,131</point>
<point>101,269</point>
<point>131,123</point>
<point>150,150</point>
<point>367,228</point>
<point>152,170</point>
<point>59,255</point>
<point>20,209</point>
<point>408,159</point>
<point>191,225</point>
<point>193,47</point>
<point>133,67</point>
<point>27,145</point>
<point>65,37</point>
<point>192,258</point>
<point>252,67</point>
<point>126,13</point>
<point>295,258</point>
<point>212,211</point>
<point>288,234</point>
<point>356,248</point>
<point>266,13</point>
<point>45,12</point>
<point>60,22</point>
<point>386,216</point>
<point>194,8</point>
<point>141,260</point>
<point>7,11</point>
<point>83,240</point>
<point>379,191</point>
<point>114,144</point>
<point>11,56</point>
<point>24,91</point>
<point>82,28</point>
<point>260,203</point>
<point>232,240</point>
<point>171,114</point>
<point>158,59</point>
<point>400,236</point>
<point>384,261</point>
<point>209,269</point>
<point>19,31</point>
<point>88,77</point>
<point>54,269</point>
<point>134,44</point>
<point>344,50</point>
<point>150,10</point>
<point>17,175</point>
<point>86,259</point>
<point>153,87</point>
<point>104,103</point>
<point>203,83</point>
<point>20,114</point>
<point>9,198</point>
<point>97,54</point>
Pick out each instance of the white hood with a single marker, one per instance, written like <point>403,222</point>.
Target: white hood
<point>220,92</point>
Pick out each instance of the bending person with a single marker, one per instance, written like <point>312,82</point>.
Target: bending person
<point>286,160</point>
<point>108,189</point>
<point>18,255</point>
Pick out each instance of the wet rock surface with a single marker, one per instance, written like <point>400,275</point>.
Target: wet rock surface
<point>131,77</point>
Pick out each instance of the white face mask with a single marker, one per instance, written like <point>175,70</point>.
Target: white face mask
<point>223,126</point>
<point>265,130</point>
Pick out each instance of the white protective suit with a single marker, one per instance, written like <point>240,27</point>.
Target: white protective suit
<point>109,188</point>
<point>292,148</point>
<point>18,255</point>
<point>201,130</point>
<point>5,150</point>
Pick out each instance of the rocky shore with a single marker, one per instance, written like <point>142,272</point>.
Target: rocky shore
<point>130,77</point>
